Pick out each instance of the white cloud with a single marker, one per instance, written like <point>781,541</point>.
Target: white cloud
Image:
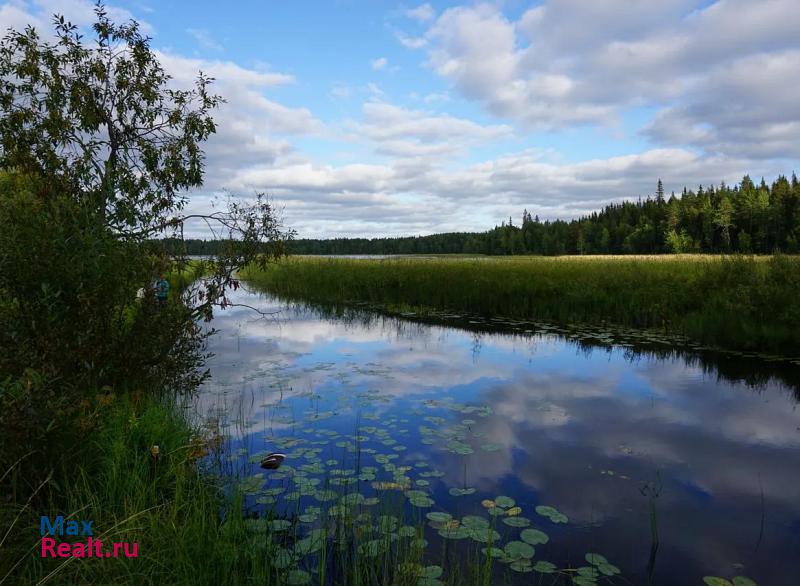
<point>712,72</point>
<point>379,63</point>
<point>204,39</point>
<point>422,13</point>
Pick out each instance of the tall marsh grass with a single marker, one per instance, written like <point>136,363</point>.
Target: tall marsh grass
<point>732,302</point>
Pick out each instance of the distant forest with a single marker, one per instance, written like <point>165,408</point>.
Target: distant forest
<point>748,218</point>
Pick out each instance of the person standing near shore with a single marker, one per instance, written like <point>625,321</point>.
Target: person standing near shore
<point>162,290</point>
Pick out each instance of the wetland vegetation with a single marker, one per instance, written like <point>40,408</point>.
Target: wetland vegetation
<point>739,303</point>
<point>474,436</point>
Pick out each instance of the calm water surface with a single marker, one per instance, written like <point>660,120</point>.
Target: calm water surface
<point>603,435</point>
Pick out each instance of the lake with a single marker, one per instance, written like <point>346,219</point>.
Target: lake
<point>671,465</point>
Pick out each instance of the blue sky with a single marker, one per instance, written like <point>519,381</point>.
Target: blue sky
<point>367,118</point>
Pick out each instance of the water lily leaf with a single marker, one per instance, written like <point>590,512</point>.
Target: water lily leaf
<point>589,572</point>
<point>439,517</point>
<point>612,570</point>
<point>551,513</point>
<point>522,565</point>
<point>352,499</point>
<point>519,549</point>
<point>744,581</point>
<point>326,495</point>
<point>456,533</point>
<point>544,567</point>
<point>279,525</point>
<point>491,447</point>
<point>494,552</point>
<point>504,502</point>
<point>484,535</point>
<point>475,522</point>
<point>407,531</point>
<point>715,581</point>
<point>595,559</point>
<point>422,502</point>
<point>516,521</point>
<point>462,491</point>
<point>534,536</point>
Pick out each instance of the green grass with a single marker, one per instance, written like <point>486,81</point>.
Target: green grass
<point>734,302</point>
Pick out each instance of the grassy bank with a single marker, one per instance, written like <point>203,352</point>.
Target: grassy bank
<point>737,302</point>
<point>136,478</point>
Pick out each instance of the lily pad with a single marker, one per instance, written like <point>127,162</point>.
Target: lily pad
<point>534,536</point>
<point>516,521</point>
<point>612,570</point>
<point>715,581</point>
<point>504,502</point>
<point>551,513</point>
<point>455,533</point>
<point>439,517</point>
<point>519,549</point>
<point>407,531</point>
<point>494,552</point>
<point>279,525</point>
<point>544,567</point>
<point>744,581</point>
<point>595,559</point>
<point>422,502</point>
<point>521,565</point>
<point>484,535</point>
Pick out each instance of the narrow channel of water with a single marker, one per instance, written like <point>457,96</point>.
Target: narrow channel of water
<point>605,436</point>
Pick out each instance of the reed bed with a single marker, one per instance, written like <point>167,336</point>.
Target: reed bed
<point>742,303</point>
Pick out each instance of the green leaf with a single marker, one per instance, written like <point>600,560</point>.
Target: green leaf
<point>516,521</point>
<point>595,559</point>
<point>534,536</point>
<point>519,549</point>
<point>504,502</point>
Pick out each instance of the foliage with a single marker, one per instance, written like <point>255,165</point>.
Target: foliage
<point>96,153</point>
<point>101,122</point>
<point>742,303</point>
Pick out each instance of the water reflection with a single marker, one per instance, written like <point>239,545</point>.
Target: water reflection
<point>596,431</point>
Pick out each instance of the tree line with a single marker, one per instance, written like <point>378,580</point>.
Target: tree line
<point>748,218</point>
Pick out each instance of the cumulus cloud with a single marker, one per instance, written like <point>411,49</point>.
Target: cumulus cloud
<point>379,63</point>
<point>712,72</point>
<point>422,13</point>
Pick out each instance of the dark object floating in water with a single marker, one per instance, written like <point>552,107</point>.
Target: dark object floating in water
<point>273,461</point>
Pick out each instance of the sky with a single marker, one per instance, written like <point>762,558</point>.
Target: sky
<point>368,118</point>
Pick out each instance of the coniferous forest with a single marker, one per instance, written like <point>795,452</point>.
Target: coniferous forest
<point>750,218</point>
